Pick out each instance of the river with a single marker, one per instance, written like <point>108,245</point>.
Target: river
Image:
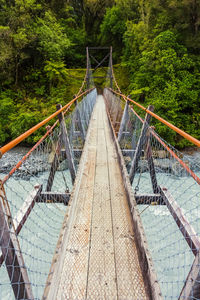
<point>171,255</point>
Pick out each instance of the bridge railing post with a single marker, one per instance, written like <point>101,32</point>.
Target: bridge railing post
<point>55,163</point>
<point>80,121</point>
<point>140,145</point>
<point>156,188</point>
<point>124,121</point>
<point>115,109</point>
<point>191,289</point>
<point>134,135</point>
<point>88,70</point>
<point>11,252</point>
<point>54,166</point>
<point>111,66</point>
<point>65,140</point>
<point>112,106</point>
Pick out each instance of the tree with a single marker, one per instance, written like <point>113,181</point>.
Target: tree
<point>165,75</point>
<point>113,28</point>
<point>93,15</point>
<point>52,41</point>
<point>114,24</point>
<point>56,72</point>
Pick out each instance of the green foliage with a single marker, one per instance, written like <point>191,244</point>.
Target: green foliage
<point>164,79</point>
<point>113,28</point>
<point>56,71</point>
<point>93,14</point>
<point>6,110</point>
<point>53,42</point>
<point>22,122</point>
<point>156,51</point>
<point>19,112</point>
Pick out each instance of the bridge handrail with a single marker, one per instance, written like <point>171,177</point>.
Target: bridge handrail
<point>26,134</point>
<point>168,124</point>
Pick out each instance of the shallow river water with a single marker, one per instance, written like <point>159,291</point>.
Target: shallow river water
<point>171,255</point>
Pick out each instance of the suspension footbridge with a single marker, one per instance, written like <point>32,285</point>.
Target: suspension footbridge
<point>101,207</point>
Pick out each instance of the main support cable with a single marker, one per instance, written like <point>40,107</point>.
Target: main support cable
<point>114,78</point>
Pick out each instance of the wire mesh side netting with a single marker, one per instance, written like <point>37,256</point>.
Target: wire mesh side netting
<point>166,187</point>
<point>89,75</point>
<point>33,206</point>
<point>109,75</point>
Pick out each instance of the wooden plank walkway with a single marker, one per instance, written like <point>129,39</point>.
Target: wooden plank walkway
<point>99,258</point>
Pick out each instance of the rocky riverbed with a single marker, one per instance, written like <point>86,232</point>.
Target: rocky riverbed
<point>170,165</point>
<point>39,163</point>
<point>32,166</point>
<point>35,164</point>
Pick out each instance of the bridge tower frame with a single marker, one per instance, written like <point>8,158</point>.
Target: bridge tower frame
<point>108,56</point>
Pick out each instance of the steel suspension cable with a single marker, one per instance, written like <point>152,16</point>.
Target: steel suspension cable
<point>115,81</point>
<point>81,88</point>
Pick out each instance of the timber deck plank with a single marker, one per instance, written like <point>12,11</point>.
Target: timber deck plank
<point>99,259</point>
<point>129,276</point>
<point>73,279</point>
<point>101,273</point>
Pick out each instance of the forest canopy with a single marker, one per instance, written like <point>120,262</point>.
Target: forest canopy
<point>156,53</point>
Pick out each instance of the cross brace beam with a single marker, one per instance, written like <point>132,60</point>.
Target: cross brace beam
<point>12,254</point>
